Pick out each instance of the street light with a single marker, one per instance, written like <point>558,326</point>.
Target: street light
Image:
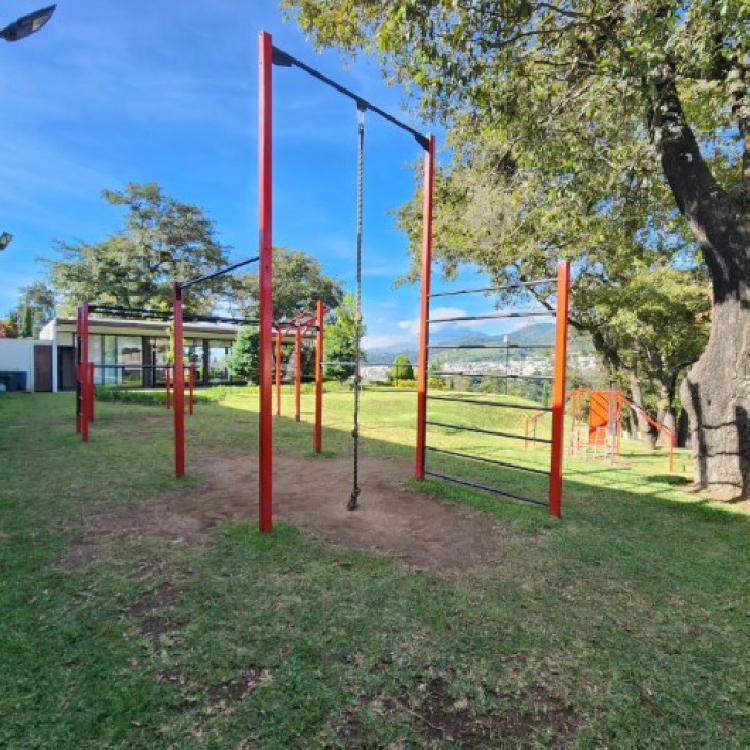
<point>27,25</point>
<point>20,29</point>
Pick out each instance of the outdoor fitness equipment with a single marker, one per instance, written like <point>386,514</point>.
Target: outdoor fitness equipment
<point>600,433</point>
<point>85,369</point>
<point>299,325</point>
<point>561,283</point>
<point>265,324</point>
<point>271,55</point>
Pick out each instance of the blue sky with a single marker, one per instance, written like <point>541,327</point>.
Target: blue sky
<point>113,92</point>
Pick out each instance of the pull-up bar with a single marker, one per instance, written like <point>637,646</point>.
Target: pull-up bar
<point>220,272</point>
<point>285,60</point>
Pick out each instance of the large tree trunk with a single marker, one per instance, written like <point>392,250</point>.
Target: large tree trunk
<point>716,396</point>
<point>716,390</point>
<point>637,393</point>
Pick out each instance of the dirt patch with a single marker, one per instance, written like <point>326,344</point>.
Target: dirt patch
<point>436,717</point>
<point>164,595</point>
<point>239,687</point>
<point>414,527</point>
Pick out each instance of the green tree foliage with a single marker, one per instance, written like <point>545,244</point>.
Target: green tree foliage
<point>339,340</point>
<point>28,322</point>
<point>162,240</point>
<point>400,369</point>
<point>298,283</point>
<point>600,124</point>
<point>36,304</point>
<point>244,360</point>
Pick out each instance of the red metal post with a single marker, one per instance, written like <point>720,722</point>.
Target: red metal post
<point>317,430</point>
<point>265,422</point>
<point>297,371</point>
<point>191,386</point>
<point>278,372</point>
<point>92,391</point>
<point>179,383</point>
<point>558,389</point>
<point>79,382</point>
<point>85,394</point>
<point>424,307</point>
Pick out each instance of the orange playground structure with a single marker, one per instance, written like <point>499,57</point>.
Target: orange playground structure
<point>596,431</point>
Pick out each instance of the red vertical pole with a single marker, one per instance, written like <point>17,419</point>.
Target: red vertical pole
<point>85,394</point>
<point>178,403</point>
<point>297,371</point>
<point>265,426</point>
<point>558,388</point>
<point>317,430</point>
<point>79,380</point>
<point>278,372</point>
<point>191,386</point>
<point>424,306</point>
<point>92,392</point>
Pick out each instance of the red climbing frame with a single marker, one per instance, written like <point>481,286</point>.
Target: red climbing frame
<point>562,293</point>
<point>298,326</point>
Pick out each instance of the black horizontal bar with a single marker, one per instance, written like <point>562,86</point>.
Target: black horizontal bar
<point>491,346</point>
<point>501,288</point>
<point>167,315</point>
<point>483,431</point>
<point>529,314</point>
<point>119,310</point>
<point>220,272</point>
<point>493,461</point>
<point>284,59</point>
<point>486,488</point>
<point>504,404</point>
<point>493,375</point>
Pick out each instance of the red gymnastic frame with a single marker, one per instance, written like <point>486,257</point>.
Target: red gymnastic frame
<point>84,371</point>
<point>298,325</point>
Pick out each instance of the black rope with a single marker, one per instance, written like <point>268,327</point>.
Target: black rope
<point>353,497</point>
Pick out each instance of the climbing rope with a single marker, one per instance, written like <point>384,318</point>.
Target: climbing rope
<point>353,497</point>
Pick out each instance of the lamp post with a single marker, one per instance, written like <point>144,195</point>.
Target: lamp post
<point>27,25</point>
<point>20,29</point>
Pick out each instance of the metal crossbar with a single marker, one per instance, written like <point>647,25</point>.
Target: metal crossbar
<point>491,346</point>
<point>284,59</point>
<point>220,272</point>
<point>501,288</point>
<point>493,316</point>
<point>503,404</point>
<point>165,315</point>
<point>485,487</point>
<point>481,430</point>
<point>493,461</point>
<point>492,375</point>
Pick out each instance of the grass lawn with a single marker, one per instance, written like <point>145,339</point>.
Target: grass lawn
<point>623,625</point>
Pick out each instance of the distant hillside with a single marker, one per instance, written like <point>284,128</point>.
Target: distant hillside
<point>535,334</point>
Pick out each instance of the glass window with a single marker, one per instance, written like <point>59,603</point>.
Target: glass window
<point>130,356</point>
<point>218,370</point>
<point>194,355</point>
<point>95,356</point>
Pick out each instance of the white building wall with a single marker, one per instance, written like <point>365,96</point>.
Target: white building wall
<point>17,355</point>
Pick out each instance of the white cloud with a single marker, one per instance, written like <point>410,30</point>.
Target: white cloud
<point>387,340</point>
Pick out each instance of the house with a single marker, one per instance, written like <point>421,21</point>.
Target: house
<point>119,349</point>
<point>25,365</point>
